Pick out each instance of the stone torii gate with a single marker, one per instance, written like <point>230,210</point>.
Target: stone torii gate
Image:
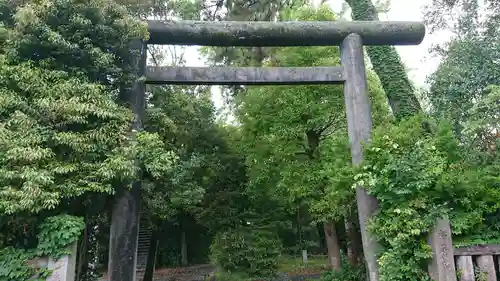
<point>350,35</point>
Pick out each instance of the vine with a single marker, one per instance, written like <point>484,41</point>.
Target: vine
<point>387,64</point>
<point>418,174</point>
<point>55,234</point>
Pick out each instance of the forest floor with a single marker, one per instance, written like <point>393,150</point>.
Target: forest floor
<point>290,269</point>
<point>294,266</point>
<point>188,273</point>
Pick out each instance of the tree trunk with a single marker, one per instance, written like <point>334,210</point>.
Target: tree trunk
<point>388,66</point>
<point>320,231</point>
<point>332,244</point>
<point>353,241</point>
<point>184,254</point>
<point>82,260</point>
<point>299,236</point>
<point>150,265</point>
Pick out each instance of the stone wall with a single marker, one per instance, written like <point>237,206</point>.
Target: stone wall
<point>63,269</point>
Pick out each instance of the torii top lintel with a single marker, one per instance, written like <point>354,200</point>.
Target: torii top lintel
<point>294,33</point>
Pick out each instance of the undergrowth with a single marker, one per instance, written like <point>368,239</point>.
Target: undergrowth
<point>417,171</point>
<point>54,235</point>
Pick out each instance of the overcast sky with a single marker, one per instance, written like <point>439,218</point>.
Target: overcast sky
<point>416,58</point>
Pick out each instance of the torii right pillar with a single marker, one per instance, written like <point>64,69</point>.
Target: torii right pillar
<point>359,123</point>
<point>442,265</point>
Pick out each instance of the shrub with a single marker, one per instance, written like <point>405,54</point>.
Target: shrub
<point>251,252</point>
<point>346,273</point>
<point>420,171</point>
<point>55,234</point>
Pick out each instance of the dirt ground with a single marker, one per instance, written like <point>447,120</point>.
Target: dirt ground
<point>189,273</point>
<point>201,272</point>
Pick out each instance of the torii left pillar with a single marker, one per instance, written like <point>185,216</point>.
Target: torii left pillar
<point>124,229</point>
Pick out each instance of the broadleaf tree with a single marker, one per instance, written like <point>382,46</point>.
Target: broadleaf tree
<point>294,136</point>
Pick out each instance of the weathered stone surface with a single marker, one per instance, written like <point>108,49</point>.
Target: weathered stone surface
<point>124,227</point>
<point>244,75</point>
<point>63,269</point>
<point>478,250</point>
<point>296,33</point>
<point>359,124</point>
<point>465,268</point>
<point>442,266</point>
<point>486,267</point>
<point>123,235</point>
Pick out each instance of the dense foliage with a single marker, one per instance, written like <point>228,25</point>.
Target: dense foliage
<point>50,150</point>
<point>295,138</point>
<point>63,132</point>
<point>464,89</point>
<point>251,252</point>
<point>468,60</point>
<point>55,234</point>
<point>418,172</point>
